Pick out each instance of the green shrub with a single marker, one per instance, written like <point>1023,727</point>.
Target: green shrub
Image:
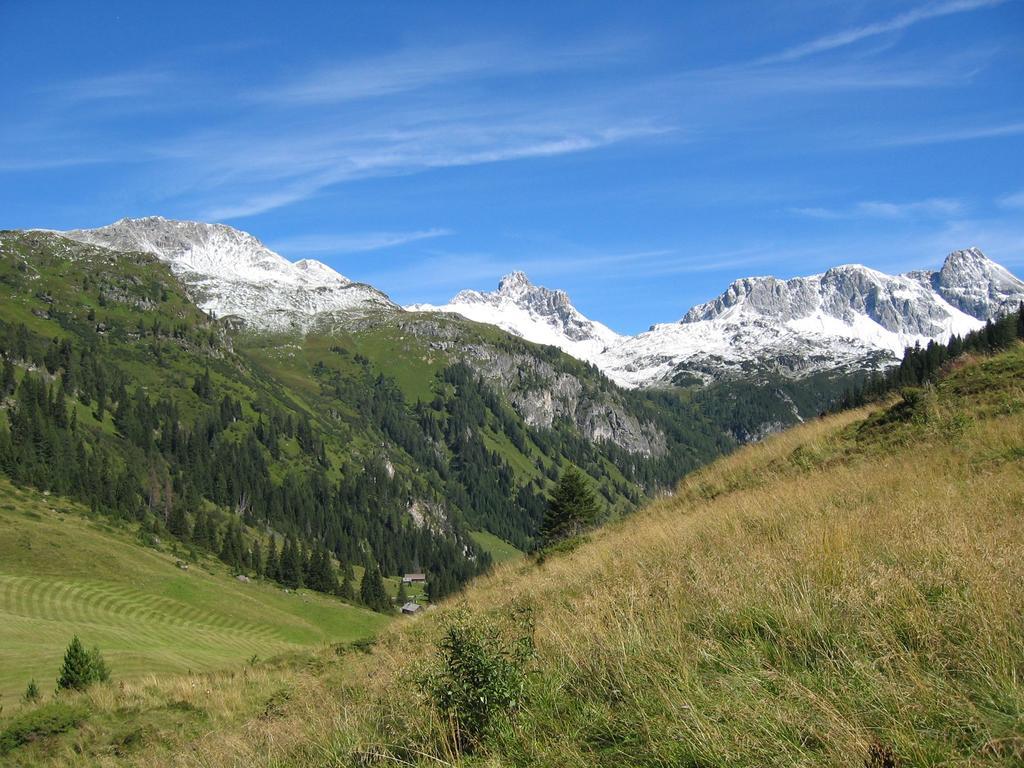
<point>47,720</point>
<point>31,695</point>
<point>563,547</point>
<point>479,674</point>
<point>82,668</point>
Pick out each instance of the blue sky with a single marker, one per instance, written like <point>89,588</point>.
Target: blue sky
<point>639,155</point>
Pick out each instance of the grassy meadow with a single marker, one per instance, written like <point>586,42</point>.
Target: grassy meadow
<point>62,573</point>
<point>848,593</point>
<point>499,549</point>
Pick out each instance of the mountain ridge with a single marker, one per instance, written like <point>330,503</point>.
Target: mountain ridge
<point>848,318</point>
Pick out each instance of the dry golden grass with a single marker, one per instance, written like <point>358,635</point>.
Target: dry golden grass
<point>853,584</point>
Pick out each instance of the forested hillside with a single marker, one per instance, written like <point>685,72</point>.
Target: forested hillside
<point>306,458</point>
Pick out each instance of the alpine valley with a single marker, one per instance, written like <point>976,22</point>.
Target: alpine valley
<point>295,424</point>
<point>180,405</point>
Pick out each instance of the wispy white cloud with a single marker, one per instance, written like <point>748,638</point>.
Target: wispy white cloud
<point>1001,239</point>
<point>896,23</point>
<point>1016,200</point>
<point>308,165</point>
<point>415,69</point>
<point>441,274</point>
<point>744,81</point>
<point>426,108</point>
<point>117,86</point>
<point>934,207</point>
<point>46,162</point>
<point>965,133</point>
<point>380,76</point>
<point>353,243</point>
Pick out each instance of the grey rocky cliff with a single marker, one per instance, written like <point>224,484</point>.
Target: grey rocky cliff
<point>541,393</point>
<point>897,303</point>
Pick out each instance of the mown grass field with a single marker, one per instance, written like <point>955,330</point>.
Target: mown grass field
<point>62,574</point>
<point>849,593</point>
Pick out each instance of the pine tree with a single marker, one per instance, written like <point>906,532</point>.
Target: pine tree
<point>31,694</point>
<point>403,595</point>
<point>347,590</point>
<point>7,378</point>
<point>372,593</point>
<point>321,573</point>
<point>256,558</point>
<point>273,570</point>
<point>100,670</point>
<point>571,508</point>
<point>177,523</point>
<point>77,672</point>
<point>291,564</point>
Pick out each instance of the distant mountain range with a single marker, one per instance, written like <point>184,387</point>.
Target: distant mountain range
<point>845,319</point>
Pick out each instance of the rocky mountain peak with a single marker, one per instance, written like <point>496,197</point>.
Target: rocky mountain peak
<point>230,272</point>
<point>514,283</point>
<point>535,313</point>
<point>975,284</point>
<point>517,287</point>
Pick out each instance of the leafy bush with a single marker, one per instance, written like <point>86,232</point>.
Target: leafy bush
<point>479,674</point>
<point>48,720</point>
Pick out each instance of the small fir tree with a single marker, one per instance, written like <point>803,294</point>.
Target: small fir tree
<point>82,668</point>
<point>291,564</point>
<point>256,557</point>
<point>372,593</point>
<point>77,672</point>
<point>272,567</point>
<point>31,695</point>
<point>347,590</point>
<point>571,508</point>
<point>100,670</point>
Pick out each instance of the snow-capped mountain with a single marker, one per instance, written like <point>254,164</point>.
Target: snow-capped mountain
<point>533,312</point>
<point>975,284</point>
<point>846,318</point>
<point>231,273</point>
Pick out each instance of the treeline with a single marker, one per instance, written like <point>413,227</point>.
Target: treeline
<point>921,365</point>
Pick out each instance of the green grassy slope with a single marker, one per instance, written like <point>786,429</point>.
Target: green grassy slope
<point>501,551</point>
<point>62,573</point>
